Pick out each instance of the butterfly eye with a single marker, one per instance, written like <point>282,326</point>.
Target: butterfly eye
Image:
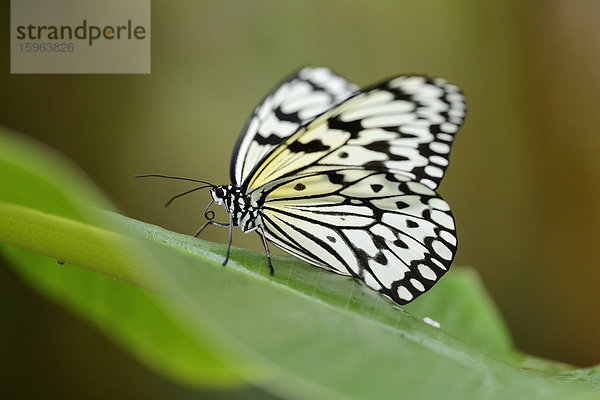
<point>220,193</point>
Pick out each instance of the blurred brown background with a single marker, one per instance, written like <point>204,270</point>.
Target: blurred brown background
<point>523,182</point>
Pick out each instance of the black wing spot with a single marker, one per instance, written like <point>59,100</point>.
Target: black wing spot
<point>272,139</point>
<point>400,243</point>
<point>400,95</point>
<point>353,127</point>
<point>314,146</point>
<point>381,259</point>
<point>374,165</point>
<point>380,146</point>
<point>376,187</point>
<point>343,154</point>
<point>300,186</point>
<point>401,205</point>
<point>379,242</point>
<point>335,178</point>
<point>411,224</point>
<point>331,239</point>
<point>282,116</point>
<point>390,177</point>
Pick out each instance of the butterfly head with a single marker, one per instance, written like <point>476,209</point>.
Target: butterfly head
<point>221,195</point>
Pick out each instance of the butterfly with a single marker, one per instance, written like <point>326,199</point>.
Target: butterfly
<point>345,179</point>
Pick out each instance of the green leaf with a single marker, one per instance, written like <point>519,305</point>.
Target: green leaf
<point>52,203</point>
<point>304,333</point>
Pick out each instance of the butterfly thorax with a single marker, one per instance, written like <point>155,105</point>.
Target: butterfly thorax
<point>242,211</point>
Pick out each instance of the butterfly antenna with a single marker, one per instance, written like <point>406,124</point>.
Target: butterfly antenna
<point>184,193</point>
<point>174,177</point>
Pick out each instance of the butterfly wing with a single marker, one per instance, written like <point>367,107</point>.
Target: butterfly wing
<point>353,191</point>
<point>395,234</point>
<point>294,102</point>
<point>404,125</point>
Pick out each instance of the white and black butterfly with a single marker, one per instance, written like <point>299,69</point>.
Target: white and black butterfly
<point>345,179</point>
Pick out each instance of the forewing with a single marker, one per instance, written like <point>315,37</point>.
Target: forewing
<point>405,125</point>
<point>293,103</point>
<point>395,234</point>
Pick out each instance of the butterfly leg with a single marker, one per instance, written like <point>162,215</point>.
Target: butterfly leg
<point>201,228</point>
<point>209,222</point>
<point>262,234</point>
<point>230,240</point>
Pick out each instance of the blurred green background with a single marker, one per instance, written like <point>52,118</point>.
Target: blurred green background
<point>523,181</point>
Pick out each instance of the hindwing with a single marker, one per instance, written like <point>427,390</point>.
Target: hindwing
<point>395,234</point>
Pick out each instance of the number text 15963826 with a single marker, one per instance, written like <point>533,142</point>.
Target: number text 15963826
<point>47,47</point>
